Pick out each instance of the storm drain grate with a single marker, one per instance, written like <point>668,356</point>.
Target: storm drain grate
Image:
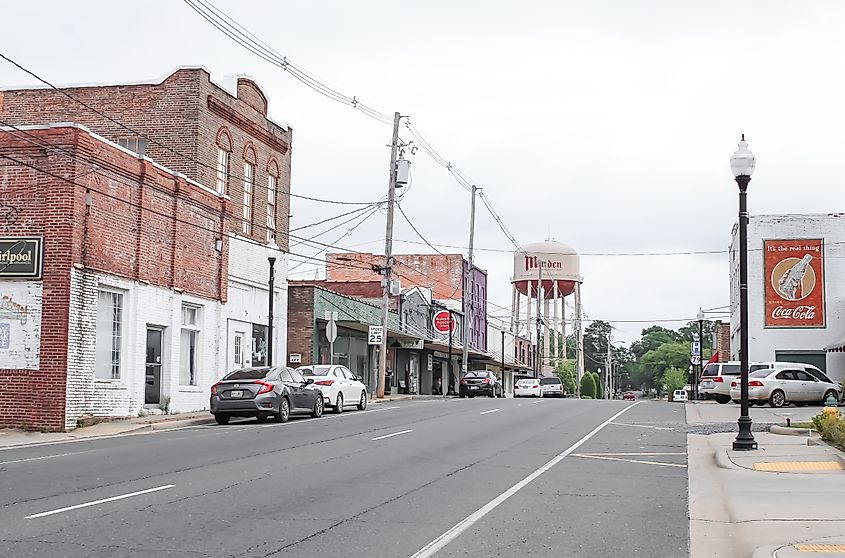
<point>828,548</point>
<point>795,466</point>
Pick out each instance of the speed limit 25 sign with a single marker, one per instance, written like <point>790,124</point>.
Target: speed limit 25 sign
<point>375,335</point>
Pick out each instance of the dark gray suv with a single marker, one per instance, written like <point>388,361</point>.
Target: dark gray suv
<point>264,392</point>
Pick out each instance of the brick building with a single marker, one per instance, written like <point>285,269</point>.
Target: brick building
<point>154,244</point>
<point>444,274</point>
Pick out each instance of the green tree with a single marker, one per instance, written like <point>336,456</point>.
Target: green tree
<point>588,386</point>
<point>673,378</point>
<point>595,345</point>
<point>565,370</point>
<point>655,362</point>
<point>599,387</point>
<point>651,338</point>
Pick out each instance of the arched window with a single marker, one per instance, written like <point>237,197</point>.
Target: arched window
<point>272,196</point>
<point>224,150</point>
<point>250,162</point>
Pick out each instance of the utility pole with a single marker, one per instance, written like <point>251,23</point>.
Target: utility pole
<point>469,280</point>
<point>537,364</point>
<point>388,258</point>
<point>608,375</point>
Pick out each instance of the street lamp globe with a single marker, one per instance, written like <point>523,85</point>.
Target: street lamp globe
<point>700,314</point>
<point>743,160</point>
<point>272,249</point>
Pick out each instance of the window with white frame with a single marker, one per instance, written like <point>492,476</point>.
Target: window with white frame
<point>189,345</point>
<point>109,335</point>
<point>271,207</point>
<point>222,170</point>
<point>249,184</point>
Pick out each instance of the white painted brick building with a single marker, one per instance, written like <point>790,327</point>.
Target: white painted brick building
<point>772,335</point>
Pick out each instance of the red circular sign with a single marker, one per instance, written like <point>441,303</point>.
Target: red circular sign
<point>441,321</point>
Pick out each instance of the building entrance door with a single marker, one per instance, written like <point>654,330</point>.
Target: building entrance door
<point>152,389</point>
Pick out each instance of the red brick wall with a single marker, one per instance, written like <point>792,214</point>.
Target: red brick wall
<point>36,205</point>
<point>440,273</point>
<point>301,321</point>
<point>125,237</point>
<point>176,114</point>
<point>723,341</point>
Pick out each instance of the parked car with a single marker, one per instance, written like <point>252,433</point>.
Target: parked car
<point>341,388</point>
<point>716,380</point>
<point>480,382</point>
<point>679,395</point>
<point>809,368</point>
<point>629,396</point>
<point>779,386</point>
<point>264,392</point>
<point>527,387</point>
<point>551,387</point>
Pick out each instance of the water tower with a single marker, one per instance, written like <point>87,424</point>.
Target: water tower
<point>546,273</point>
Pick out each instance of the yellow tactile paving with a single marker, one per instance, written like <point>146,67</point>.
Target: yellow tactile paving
<point>796,466</point>
<point>829,548</point>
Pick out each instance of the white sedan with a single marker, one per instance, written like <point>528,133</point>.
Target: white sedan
<point>341,388</point>
<point>528,387</point>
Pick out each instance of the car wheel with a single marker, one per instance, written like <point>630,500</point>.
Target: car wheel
<point>222,419</point>
<point>492,392</point>
<point>338,406</point>
<point>284,410</point>
<point>462,396</point>
<point>830,393</point>
<point>777,399</point>
<point>362,404</point>
<point>721,400</point>
<point>262,418</point>
<point>317,411</point>
<point>801,404</point>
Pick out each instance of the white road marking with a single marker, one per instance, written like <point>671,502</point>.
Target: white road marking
<point>324,417</point>
<point>640,425</point>
<point>587,456</point>
<point>391,435</point>
<point>42,457</point>
<point>646,453</point>
<point>434,546</point>
<point>488,412</point>
<point>540,401</point>
<point>103,501</point>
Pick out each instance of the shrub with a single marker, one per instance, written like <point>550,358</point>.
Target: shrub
<point>599,390</point>
<point>588,386</point>
<point>831,427</point>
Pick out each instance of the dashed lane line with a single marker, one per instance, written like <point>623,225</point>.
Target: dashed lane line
<point>103,501</point>
<point>391,435</point>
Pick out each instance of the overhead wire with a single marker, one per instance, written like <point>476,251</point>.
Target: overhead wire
<point>139,134</point>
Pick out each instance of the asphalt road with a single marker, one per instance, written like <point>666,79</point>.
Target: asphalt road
<point>470,478</point>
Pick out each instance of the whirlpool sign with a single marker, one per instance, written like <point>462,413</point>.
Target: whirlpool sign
<point>21,257</point>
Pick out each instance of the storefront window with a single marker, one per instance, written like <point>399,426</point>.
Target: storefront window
<point>259,345</point>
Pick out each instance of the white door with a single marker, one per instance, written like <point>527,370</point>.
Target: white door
<point>240,350</point>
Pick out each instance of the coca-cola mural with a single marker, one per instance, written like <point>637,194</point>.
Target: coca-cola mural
<point>794,283</point>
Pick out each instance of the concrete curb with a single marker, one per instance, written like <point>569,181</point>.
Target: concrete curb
<point>767,551</point>
<point>787,431</point>
<point>724,461</point>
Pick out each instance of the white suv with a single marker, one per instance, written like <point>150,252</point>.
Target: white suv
<point>716,380</point>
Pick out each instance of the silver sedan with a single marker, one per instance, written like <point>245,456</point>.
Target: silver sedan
<point>786,385</point>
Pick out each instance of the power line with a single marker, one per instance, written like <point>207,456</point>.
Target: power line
<point>419,234</point>
<point>160,144</point>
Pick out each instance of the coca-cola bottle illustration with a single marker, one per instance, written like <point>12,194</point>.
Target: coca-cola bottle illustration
<point>790,284</point>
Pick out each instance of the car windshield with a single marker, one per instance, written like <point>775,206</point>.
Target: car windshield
<point>316,371</point>
<point>477,374</point>
<point>549,381</point>
<point>248,373</point>
<point>711,370</point>
<point>760,373</point>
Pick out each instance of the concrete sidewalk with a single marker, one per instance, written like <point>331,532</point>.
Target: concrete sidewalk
<point>763,503</point>
<point>708,412</point>
<point>17,438</point>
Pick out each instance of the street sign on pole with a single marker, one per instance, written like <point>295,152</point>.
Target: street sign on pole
<point>375,335</point>
<point>695,348</point>
<point>331,331</point>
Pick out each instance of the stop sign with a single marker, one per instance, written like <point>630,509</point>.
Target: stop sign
<point>444,321</point>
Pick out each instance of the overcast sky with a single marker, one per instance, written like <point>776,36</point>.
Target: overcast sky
<point>607,124</point>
